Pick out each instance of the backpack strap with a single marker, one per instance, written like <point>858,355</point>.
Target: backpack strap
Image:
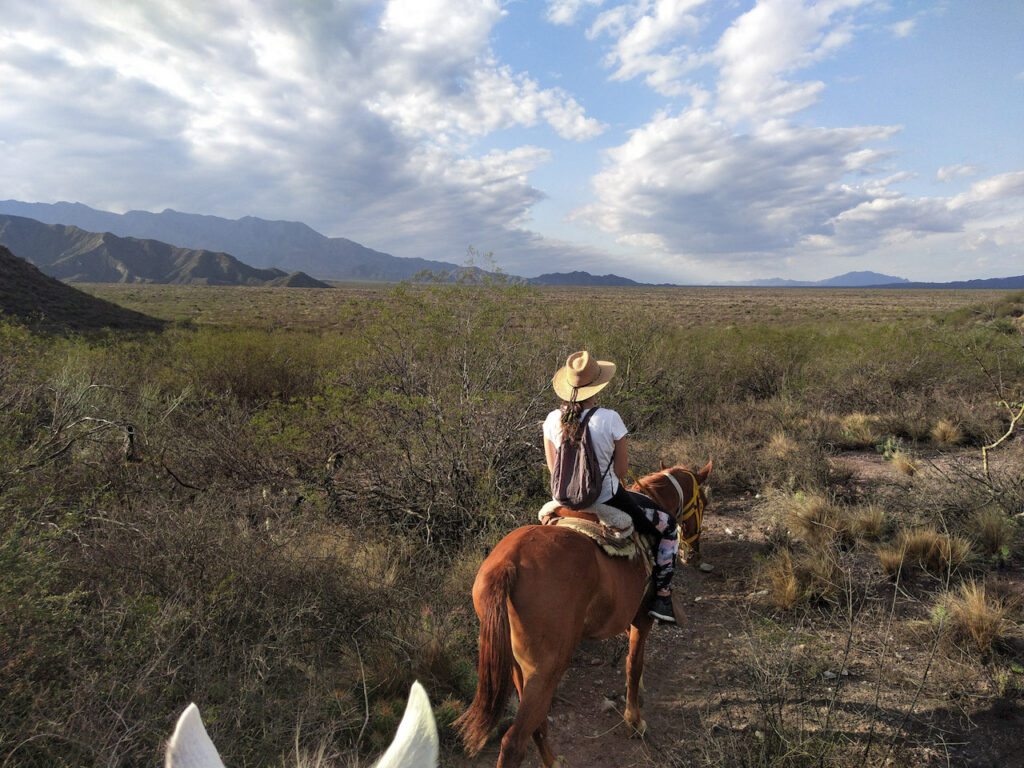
<point>586,419</point>
<point>583,425</point>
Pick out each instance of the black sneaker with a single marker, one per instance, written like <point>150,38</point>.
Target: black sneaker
<point>661,609</point>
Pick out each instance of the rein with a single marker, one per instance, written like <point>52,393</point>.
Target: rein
<point>686,509</point>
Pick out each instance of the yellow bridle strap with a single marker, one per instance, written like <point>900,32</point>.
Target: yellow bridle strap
<point>687,509</point>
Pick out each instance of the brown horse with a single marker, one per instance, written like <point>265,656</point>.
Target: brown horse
<point>542,590</point>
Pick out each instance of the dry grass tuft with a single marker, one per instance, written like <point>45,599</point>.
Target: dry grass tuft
<point>903,462</point>
<point>934,551</point>
<point>938,552</point>
<point>947,433</point>
<point>782,446</point>
<point>816,519</point>
<point>869,521</point>
<point>819,573</point>
<point>993,531</point>
<point>971,618</point>
<point>890,558</point>
<point>859,430</point>
<point>783,586</point>
<point>810,575</point>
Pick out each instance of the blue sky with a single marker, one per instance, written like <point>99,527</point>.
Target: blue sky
<point>664,140</point>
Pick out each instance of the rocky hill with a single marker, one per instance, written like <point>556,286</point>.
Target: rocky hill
<point>581,278</point>
<point>73,254</point>
<point>32,297</point>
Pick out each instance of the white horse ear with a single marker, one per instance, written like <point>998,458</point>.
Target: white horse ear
<point>190,746</point>
<point>415,744</point>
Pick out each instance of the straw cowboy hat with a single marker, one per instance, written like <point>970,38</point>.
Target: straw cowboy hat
<point>582,377</point>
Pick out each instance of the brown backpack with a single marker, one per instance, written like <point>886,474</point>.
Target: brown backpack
<point>576,478</point>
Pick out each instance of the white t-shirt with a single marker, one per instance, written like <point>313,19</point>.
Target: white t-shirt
<point>606,427</point>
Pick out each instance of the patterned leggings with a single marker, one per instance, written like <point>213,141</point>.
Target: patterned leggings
<point>650,519</point>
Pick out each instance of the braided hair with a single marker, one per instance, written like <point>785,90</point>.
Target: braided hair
<point>572,413</point>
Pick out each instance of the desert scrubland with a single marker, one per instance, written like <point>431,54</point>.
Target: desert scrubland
<point>275,508</point>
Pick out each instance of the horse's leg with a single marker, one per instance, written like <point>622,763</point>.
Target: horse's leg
<point>540,736</point>
<point>531,719</point>
<point>634,673</point>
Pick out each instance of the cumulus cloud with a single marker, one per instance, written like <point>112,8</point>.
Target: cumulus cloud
<point>694,182</point>
<point>734,179</point>
<point>395,122</point>
<point>700,187</point>
<point>357,117</point>
<point>645,41</point>
<point>768,43</point>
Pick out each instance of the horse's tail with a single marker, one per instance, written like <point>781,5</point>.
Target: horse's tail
<point>495,670</point>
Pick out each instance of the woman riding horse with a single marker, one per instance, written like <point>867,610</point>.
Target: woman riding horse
<point>543,589</point>
<point>577,383</point>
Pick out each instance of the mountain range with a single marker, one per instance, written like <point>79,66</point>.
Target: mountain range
<point>847,280</point>
<point>69,253</point>
<point>90,245</point>
<point>254,241</point>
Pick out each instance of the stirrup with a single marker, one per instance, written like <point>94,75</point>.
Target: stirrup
<point>661,609</point>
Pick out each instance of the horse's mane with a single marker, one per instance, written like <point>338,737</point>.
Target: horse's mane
<point>659,482</point>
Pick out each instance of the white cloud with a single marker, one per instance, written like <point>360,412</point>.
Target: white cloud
<point>566,11</point>
<point>950,172</point>
<point>434,74</point>
<point>774,39</point>
<point>903,28</point>
<point>733,179</point>
<point>699,187</point>
<point>485,100</point>
<point>645,36</point>
<point>992,191</point>
<point>359,117</point>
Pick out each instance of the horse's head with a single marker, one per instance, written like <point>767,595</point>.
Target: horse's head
<point>678,490</point>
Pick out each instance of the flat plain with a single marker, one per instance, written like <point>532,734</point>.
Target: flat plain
<point>698,306</point>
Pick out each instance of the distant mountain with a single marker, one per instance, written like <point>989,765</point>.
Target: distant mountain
<point>259,242</point>
<point>848,280</point>
<point>73,254</point>
<point>860,280</point>
<point>35,298</point>
<point>580,278</point>
<point>993,283</point>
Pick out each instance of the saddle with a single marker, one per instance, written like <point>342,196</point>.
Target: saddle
<point>610,528</point>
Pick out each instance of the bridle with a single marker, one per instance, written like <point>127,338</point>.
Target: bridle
<point>686,509</point>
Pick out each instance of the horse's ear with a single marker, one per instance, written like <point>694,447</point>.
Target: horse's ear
<point>703,474</point>
<point>662,462</point>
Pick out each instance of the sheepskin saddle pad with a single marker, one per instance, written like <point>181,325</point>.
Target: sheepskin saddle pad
<point>610,528</point>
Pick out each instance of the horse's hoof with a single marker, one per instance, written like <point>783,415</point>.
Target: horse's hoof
<point>638,729</point>
<point>560,762</point>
